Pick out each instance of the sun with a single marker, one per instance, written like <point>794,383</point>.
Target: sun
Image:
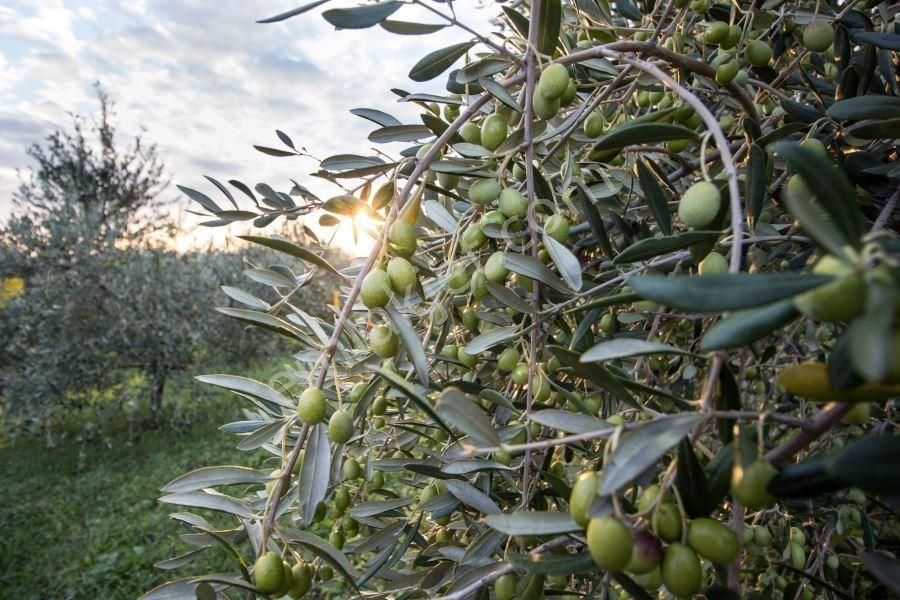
<point>356,235</point>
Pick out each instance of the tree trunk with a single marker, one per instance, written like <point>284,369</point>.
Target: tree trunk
<point>157,390</point>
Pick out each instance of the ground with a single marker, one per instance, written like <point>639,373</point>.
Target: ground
<point>82,520</point>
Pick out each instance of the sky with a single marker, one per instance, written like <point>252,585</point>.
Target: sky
<point>204,81</point>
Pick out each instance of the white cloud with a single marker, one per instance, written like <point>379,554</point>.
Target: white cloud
<point>205,81</point>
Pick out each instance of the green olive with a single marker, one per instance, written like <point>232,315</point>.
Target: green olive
<point>505,587</point>
<point>512,203</point>
<point>468,360</point>
<point>713,540</point>
<point>553,81</point>
<point>583,493</point>
<point>448,181</point>
<point>357,391</point>
<point>713,264</point>
<point>727,71</point>
<point>471,133</point>
<point>700,204</point>
<point>311,406</point>
<point>493,217</point>
<point>493,131</point>
<point>336,539</point>
<point>609,542</point>
<point>287,581</point>
<point>402,275</point>
<point>479,284</point>
<point>557,227</point>
<point>484,191</point>
<point>520,374</point>
<point>352,469</point>
<point>342,499</point>
<point>841,299</point>
<point>717,32</point>
<point>541,388</point>
<point>818,35</point>
<point>594,125</point>
<point>268,572</point>
<point>402,237</point>
<point>666,521</point>
<point>340,426</point>
<point>470,319</point>
<point>508,359</point>
<point>494,269</point>
<point>748,486</point>
<point>545,108</point>
<point>681,572</point>
<point>302,580</point>
<point>570,94</point>
<point>379,406</point>
<point>376,289</point>
<point>758,53</point>
<point>472,238</point>
<point>458,279</point>
<point>383,341</point>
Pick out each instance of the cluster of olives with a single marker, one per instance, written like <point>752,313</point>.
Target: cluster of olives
<point>277,577</point>
<point>614,546</point>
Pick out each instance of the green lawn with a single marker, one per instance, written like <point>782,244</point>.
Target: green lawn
<point>83,521</point>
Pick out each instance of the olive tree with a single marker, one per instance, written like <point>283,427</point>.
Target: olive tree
<point>89,296</point>
<point>628,325</point>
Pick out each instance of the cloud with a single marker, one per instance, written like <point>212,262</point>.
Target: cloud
<point>205,82</point>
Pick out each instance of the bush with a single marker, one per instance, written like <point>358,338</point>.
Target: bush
<point>729,433</point>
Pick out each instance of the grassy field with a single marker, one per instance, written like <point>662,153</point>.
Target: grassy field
<point>83,521</point>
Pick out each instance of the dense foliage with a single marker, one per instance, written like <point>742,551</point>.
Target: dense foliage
<point>628,328</point>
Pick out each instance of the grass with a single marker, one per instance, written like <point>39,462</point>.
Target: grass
<point>82,520</point>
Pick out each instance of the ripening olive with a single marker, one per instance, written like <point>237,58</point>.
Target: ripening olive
<point>646,553</point>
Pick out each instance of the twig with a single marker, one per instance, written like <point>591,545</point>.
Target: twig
<point>822,423</point>
<point>528,118</point>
